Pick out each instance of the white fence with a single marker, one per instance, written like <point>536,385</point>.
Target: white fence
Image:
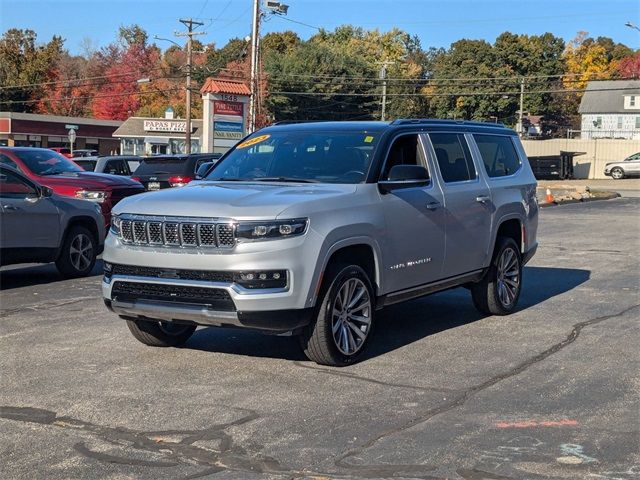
<point>598,152</point>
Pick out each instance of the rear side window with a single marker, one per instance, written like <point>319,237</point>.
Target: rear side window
<point>454,157</point>
<point>498,154</point>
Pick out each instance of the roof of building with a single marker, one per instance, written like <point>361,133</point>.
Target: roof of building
<point>607,96</point>
<point>219,85</point>
<point>134,127</point>
<point>35,117</point>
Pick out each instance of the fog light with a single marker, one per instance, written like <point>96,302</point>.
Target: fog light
<point>108,271</point>
<point>261,279</point>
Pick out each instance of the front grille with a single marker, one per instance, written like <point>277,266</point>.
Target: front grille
<point>214,298</point>
<point>170,232</point>
<point>154,272</point>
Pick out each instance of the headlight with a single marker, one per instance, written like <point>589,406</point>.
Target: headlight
<point>272,229</point>
<point>94,196</point>
<point>115,224</point>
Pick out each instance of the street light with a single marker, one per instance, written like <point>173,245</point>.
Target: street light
<point>632,25</point>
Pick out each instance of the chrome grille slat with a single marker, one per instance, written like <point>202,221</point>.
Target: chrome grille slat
<point>172,232</point>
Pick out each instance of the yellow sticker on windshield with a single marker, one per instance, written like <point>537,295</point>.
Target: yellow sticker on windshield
<point>253,141</point>
<point>368,139</point>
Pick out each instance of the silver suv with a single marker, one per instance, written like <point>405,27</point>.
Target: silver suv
<point>310,228</point>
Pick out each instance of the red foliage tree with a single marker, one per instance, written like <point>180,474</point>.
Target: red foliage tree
<point>629,67</point>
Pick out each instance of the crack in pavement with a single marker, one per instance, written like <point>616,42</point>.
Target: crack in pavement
<point>227,456</point>
<point>353,376</point>
<point>41,306</point>
<point>341,461</point>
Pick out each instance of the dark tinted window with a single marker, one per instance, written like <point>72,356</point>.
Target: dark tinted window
<point>12,186</point>
<point>159,166</point>
<point>454,157</point>
<point>404,151</point>
<point>7,161</point>
<point>88,165</point>
<point>498,154</point>
<point>46,162</point>
<point>116,167</point>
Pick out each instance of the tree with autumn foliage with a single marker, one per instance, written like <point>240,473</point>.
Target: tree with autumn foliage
<point>119,97</point>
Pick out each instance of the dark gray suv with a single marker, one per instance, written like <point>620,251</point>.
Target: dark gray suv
<point>39,226</point>
<point>311,228</point>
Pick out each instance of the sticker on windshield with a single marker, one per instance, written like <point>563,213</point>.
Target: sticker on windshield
<point>368,139</point>
<point>253,141</point>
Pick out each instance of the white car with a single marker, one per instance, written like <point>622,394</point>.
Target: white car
<point>629,167</point>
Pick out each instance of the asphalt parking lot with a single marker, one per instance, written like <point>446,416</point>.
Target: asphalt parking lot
<point>549,392</point>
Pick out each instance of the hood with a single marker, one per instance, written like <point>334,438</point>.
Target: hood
<point>87,180</point>
<point>230,199</point>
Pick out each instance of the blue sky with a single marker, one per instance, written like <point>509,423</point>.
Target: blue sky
<point>437,23</point>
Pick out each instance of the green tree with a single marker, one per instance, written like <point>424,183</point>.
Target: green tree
<point>24,62</point>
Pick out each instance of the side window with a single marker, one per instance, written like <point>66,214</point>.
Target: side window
<point>405,150</point>
<point>116,167</point>
<point>7,161</point>
<point>498,154</point>
<point>454,157</point>
<point>12,186</point>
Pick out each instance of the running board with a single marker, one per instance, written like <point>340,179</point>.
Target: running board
<point>429,288</point>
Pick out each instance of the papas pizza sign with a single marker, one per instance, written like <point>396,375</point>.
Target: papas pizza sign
<point>165,126</point>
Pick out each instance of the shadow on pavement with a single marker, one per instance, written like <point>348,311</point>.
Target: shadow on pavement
<point>398,325</point>
<point>17,276</point>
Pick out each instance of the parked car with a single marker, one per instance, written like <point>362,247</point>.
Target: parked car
<point>309,229</point>
<point>166,171</point>
<point>40,226</point>
<point>113,165</point>
<point>51,169</point>
<point>84,152</point>
<point>62,151</point>
<point>629,167</point>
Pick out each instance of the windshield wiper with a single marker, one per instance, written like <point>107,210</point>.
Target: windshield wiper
<point>284,179</point>
<point>225,179</point>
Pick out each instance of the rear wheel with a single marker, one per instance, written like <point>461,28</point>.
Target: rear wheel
<point>498,292</point>
<point>78,254</point>
<point>343,319</point>
<point>159,334</point>
<point>617,173</point>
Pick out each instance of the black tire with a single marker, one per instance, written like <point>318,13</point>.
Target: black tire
<point>159,334</point>
<point>489,294</point>
<point>617,173</point>
<point>78,254</point>
<point>318,340</point>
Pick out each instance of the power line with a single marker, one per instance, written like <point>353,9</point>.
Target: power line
<point>54,99</point>
<point>298,22</point>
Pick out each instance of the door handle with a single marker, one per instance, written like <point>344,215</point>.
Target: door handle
<point>482,198</point>
<point>432,205</point>
<point>10,207</point>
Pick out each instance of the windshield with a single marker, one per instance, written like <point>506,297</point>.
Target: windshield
<point>151,166</point>
<point>312,156</point>
<point>46,162</point>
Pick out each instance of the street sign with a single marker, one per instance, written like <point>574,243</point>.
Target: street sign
<point>71,127</point>
<point>72,136</point>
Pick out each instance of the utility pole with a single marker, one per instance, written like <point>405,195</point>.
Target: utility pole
<point>255,45</point>
<point>189,23</point>
<point>383,77</point>
<point>520,112</point>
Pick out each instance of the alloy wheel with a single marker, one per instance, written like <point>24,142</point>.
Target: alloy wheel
<point>508,277</point>
<point>351,316</point>
<point>81,252</point>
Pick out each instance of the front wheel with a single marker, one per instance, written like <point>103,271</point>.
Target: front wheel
<point>159,334</point>
<point>498,292</point>
<point>617,173</point>
<point>343,320</point>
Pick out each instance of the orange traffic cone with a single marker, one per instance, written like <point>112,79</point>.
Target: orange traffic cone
<point>549,197</point>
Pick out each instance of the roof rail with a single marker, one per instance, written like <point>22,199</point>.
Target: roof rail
<point>437,121</point>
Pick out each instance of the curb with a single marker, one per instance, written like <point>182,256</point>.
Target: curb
<point>608,196</point>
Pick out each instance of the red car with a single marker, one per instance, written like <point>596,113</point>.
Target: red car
<point>51,169</point>
<point>63,151</point>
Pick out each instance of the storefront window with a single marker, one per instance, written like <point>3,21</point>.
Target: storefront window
<point>178,146</point>
<point>132,146</point>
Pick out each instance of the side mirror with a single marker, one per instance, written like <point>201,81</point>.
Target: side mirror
<point>46,192</point>
<point>404,176</point>
<point>202,170</point>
